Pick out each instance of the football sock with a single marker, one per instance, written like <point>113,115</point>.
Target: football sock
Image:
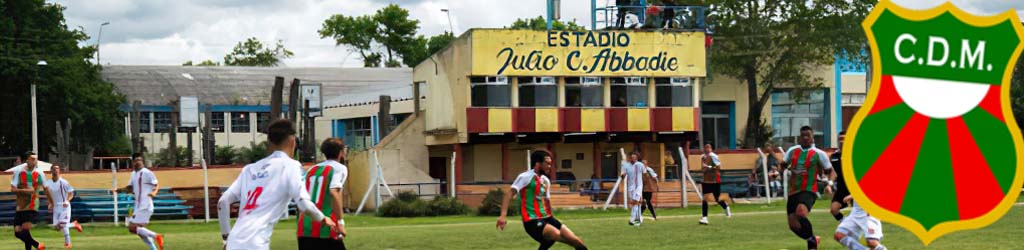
<point>851,243</point>
<point>806,232</point>
<point>704,208</point>
<point>546,245</point>
<point>67,234</point>
<point>723,204</point>
<point>145,232</point>
<point>148,242</point>
<point>838,216</point>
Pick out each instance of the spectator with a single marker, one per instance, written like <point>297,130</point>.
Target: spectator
<point>669,13</point>
<point>621,22</point>
<point>595,187</point>
<point>753,189</point>
<point>650,186</point>
<point>773,181</point>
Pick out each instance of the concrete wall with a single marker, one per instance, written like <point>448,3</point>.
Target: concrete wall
<point>854,84</point>
<point>445,74</point>
<point>403,158</point>
<point>324,123</point>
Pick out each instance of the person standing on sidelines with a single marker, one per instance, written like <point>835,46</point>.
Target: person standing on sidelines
<point>60,193</point>
<point>711,185</point>
<point>535,206</point>
<point>805,162</point>
<point>838,196</point>
<point>144,185</point>
<point>26,184</point>
<point>324,183</point>
<point>650,186</point>
<point>265,188</point>
<point>632,172</point>
<point>857,224</point>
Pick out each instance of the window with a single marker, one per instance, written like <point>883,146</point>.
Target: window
<point>490,91</point>
<point>357,132</point>
<point>629,92</point>
<point>397,119</point>
<point>161,122</point>
<point>217,122</point>
<point>144,122</point>
<point>239,122</point>
<point>538,92</point>
<point>262,119</point>
<point>716,123</point>
<point>792,110</point>
<point>674,92</point>
<point>584,92</point>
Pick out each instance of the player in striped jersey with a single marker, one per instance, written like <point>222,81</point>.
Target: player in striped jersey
<point>324,183</point>
<point>60,193</point>
<point>535,206</point>
<point>805,162</point>
<point>711,185</point>
<point>26,184</point>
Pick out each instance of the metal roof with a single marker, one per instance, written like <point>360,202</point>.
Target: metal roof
<point>219,85</point>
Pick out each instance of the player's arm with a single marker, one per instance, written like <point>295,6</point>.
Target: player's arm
<point>156,189</point>
<point>504,207</point>
<point>336,205</point>
<point>231,196</point>
<point>49,198</point>
<point>784,162</point>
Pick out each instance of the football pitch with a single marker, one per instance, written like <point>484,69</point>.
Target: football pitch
<point>751,227</point>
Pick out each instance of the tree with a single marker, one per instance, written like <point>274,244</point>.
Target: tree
<point>422,48</point>
<point>358,33</point>
<point>768,45</point>
<point>397,33</point>
<point>253,53</point>
<point>540,23</point>
<point>70,86</point>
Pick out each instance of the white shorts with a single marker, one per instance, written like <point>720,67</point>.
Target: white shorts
<point>141,216</point>
<point>61,215</point>
<point>869,227</point>
<point>634,195</point>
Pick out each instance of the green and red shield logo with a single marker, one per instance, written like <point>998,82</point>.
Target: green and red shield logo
<point>934,148</point>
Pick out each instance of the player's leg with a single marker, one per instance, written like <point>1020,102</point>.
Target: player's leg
<point>134,229</point>
<point>847,234</point>
<point>649,205</point>
<point>26,232</point>
<point>805,203</point>
<point>555,231</point>
<point>141,219</point>
<point>873,233</point>
<point>718,193</point>
<point>707,193</point>
<point>835,210</point>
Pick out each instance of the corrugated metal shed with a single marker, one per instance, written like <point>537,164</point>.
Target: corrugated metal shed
<point>158,85</point>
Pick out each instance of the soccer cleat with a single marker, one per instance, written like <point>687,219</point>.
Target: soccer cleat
<point>159,241</point>
<point>77,226</point>
<point>728,212</point>
<point>703,220</point>
<point>631,223</point>
<point>67,246</point>
<point>41,246</point>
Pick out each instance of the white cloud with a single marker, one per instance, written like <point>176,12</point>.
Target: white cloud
<point>169,32</point>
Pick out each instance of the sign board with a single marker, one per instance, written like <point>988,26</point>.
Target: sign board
<point>587,53</point>
<point>189,111</point>
<point>311,92</point>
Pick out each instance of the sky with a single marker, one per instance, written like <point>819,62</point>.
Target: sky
<point>170,32</point>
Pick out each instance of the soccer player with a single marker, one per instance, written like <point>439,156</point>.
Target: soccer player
<point>838,201</point>
<point>59,192</point>
<point>535,204</point>
<point>804,161</point>
<point>711,185</point>
<point>650,186</point>
<point>324,183</point>
<point>859,223</point>
<point>632,172</point>
<point>264,188</point>
<point>144,185</point>
<point>26,184</point>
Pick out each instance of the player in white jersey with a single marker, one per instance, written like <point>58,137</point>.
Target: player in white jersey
<point>60,193</point>
<point>144,185</point>
<point>264,188</point>
<point>859,223</point>
<point>633,171</point>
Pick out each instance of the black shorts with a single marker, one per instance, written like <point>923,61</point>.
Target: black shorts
<point>20,217</point>
<point>839,194</point>
<point>803,197</point>
<point>711,188</point>
<point>535,228</point>
<point>320,243</point>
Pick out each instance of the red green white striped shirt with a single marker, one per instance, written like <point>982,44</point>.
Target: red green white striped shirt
<point>804,166</point>
<point>30,179</point>
<point>319,180</point>
<point>533,189</point>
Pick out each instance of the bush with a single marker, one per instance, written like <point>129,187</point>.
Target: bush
<point>409,204</point>
<point>405,204</point>
<point>443,205</point>
<point>491,205</point>
<point>163,158</point>
<point>253,153</point>
<point>224,155</point>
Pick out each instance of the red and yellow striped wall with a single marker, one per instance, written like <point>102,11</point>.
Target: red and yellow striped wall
<point>571,120</point>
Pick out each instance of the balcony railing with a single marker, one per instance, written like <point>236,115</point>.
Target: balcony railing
<point>683,18</point>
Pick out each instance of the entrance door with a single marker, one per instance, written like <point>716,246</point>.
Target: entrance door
<point>610,165</point>
<point>438,167</point>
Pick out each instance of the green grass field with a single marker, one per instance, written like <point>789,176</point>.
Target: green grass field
<point>752,227</point>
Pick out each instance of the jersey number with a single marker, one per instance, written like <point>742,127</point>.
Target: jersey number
<point>253,196</point>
